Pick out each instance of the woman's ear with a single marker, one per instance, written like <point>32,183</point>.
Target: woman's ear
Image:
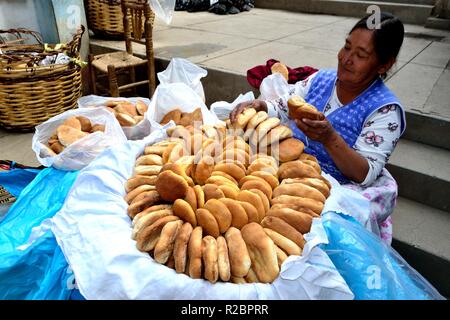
<point>384,68</point>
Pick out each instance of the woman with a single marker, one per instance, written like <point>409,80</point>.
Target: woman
<point>363,119</point>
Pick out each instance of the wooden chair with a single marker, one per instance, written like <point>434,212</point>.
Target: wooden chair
<point>110,64</point>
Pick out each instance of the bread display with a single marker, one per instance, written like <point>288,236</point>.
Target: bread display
<point>184,119</point>
<point>71,130</point>
<point>210,204</point>
<point>127,113</point>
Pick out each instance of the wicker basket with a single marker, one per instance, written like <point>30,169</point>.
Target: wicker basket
<point>29,93</point>
<point>105,18</point>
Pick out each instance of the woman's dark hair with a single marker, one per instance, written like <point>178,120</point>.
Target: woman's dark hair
<point>388,35</point>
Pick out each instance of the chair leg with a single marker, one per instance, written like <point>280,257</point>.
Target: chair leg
<point>92,84</point>
<point>133,78</point>
<point>113,85</point>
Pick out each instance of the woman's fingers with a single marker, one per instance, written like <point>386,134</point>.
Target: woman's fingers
<point>237,110</point>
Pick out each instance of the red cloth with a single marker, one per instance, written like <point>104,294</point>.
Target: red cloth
<point>256,74</point>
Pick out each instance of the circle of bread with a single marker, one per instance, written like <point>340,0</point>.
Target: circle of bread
<point>225,210</point>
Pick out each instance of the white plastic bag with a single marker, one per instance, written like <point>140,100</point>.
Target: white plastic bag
<point>274,86</point>
<point>163,9</point>
<point>137,132</point>
<point>222,108</point>
<point>82,152</point>
<point>184,71</point>
<point>168,97</point>
<point>94,233</point>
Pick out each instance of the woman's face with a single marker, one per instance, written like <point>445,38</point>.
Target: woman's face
<point>357,61</point>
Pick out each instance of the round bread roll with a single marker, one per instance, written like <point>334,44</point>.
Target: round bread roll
<point>125,120</point>
<point>233,154</point>
<point>237,144</point>
<point>177,152</point>
<point>149,219</point>
<point>259,117</point>
<point>200,196</point>
<point>171,186</point>
<point>203,169</point>
<point>316,183</point>
<point>180,247</point>
<point>300,221</point>
<point>219,181</point>
<point>239,216</point>
<point>262,252</point>
<point>174,115</point>
<point>208,222</point>
<point>191,198</point>
<point>229,192</point>
<point>254,200</point>
<point>288,150</point>
<point>57,147</point>
<point>98,127</point>
<point>221,213</point>
<point>68,135</point>
<point>147,238</point>
<point>85,123</point>
<point>313,164</point>
<point>270,179</point>
<point>137,181</point>
<point>143,201</point>
<point>299,190</point>
<point>281,256</point>
<point>260,185</point>
<point>210,257</point>
<point>134,193</point>
<point>184,210</point>
<point>312,204</point>
<point>248,178</point>
<point>244,118</point>
<point>150,159</point>
<point>236,162</point>
<point>296,207</point>
<point>164,246</point>
<point>212,191</point>
<point>238,280</point>
<point>262,130</point>
<point>223,261</point>
<point>73,122</point>
<point>284,243</point>
<point>195,253</point>
<point>280,68</point>
<point>250,210</point>
<point>261,166</point>
<point>307,156</point>
<point>276,135</point>
<point>159,150</point>
<point>240,261</point>
<point>168,151</point>
<point>232,169</point>
<point>156,207</point>
<point>296,169</point>
<point>147,170</point>
<point>299,109</point>
<point>141,107</point>
<point>283,228</point>
<point>127,108</point>
<point>225,175</point>
<point>265,201</point>
<point>177,169</point>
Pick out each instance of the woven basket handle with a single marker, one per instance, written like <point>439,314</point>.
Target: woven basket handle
<point>75,44</point>
<point>18,34</point>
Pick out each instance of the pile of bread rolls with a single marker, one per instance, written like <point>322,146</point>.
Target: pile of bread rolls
<point>127,113</point>
<point>71,130</point>
<point>183,118</point>
<point>207,204</point>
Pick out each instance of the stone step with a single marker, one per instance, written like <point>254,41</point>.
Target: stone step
<point>408,13</point>
<point>410,2</point>
<point>422,237</point>
<point>422,173</point>
<point>438,23</point>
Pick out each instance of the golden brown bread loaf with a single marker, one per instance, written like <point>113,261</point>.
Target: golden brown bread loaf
<point>149,219</point>
<point>296,207</point>
<point>210,259</point>
<point>171,186</point>
<point>208,222</point>
<point>239,216</point>
<point>203,169</point>
<point>316,183</point>
<point>143,201</point>
<point>262,130</point>
<point>297,219</point>
<point>147,170</point>
<point>141,107</point>
<point>184,211</point>
<point>280,68</point>
<point>260,185</point>
<point>255,201</point>
<point>191,198</point>
<point>180,247</point>
<point>299,190</point>
<point>68,135</point>
<point>200,196</point>
<point>259,117</point>
<point>150,159</point>
<point>220,211</point>
<point>125,120</point>
<point>250,210</point>
<point>223,260</point>
<point>164,246</point>
<point>240,261</point>
<point>296,169</point>
<point>72,122</point>
<point>195,253</point>
<point>212,191</point>
<point>281,256</point>
<point>156,207</point>
<point>288,150</point>
<point>262,252</point>
<point>283,243</point>
<point>283,228</point>
<point>276,135</point>
<point>85,123</point>
<point>314,205</point>
<point>174,115</point>
<point>299,109</point>
<point>146,239</point>
<point>244,118</point>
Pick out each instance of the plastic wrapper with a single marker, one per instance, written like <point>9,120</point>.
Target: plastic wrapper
<point>136,132</point>
<point>82,152</point>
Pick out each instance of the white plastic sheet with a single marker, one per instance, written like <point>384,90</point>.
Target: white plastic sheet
<point>82,152</point>
<point>137,132</point>
<point>181,70</point>
<point>163,9</point>
<point>94,233</point>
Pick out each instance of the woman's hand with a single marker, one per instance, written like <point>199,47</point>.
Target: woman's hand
<point>318,130</point>
<point>258,105</point>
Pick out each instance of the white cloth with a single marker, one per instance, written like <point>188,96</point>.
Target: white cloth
<point>375,143</point>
